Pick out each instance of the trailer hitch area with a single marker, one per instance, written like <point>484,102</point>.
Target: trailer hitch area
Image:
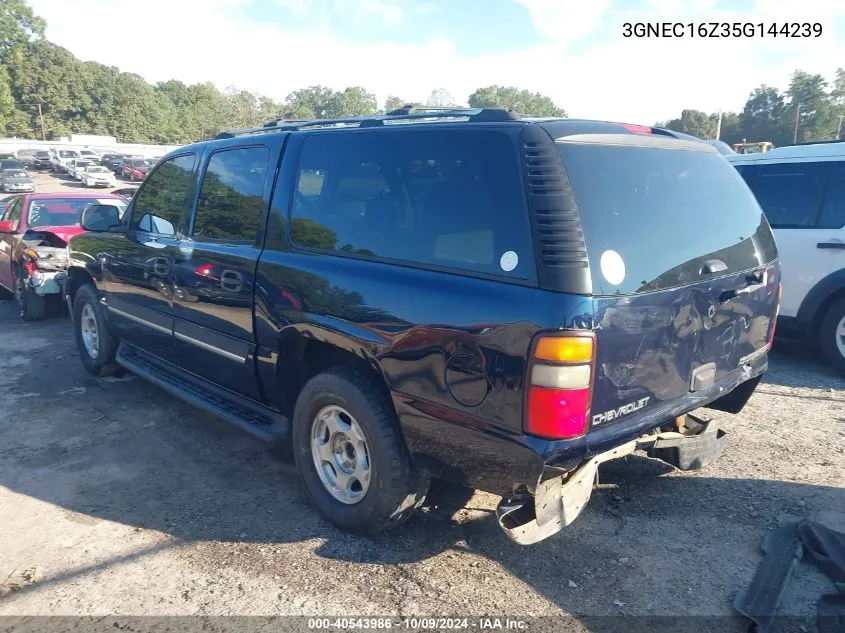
<point>560,500</point>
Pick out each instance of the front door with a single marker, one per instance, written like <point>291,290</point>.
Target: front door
<point>215,268</point>
<point>139,265</point>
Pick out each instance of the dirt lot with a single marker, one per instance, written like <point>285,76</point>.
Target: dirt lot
<point>116,498</point>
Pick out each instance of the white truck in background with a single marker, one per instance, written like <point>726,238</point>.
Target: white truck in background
<point>60,157</point>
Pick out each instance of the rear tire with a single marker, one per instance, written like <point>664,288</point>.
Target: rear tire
<point>88,318</point>
<point>394,488</point>
<point>832,335</point>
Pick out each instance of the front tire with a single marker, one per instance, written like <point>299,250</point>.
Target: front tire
<point>33,306</point>
<point>351,456</point>
<point>832,335</point>
<point>94,340</point>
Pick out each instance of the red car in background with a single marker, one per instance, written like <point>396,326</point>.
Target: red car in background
<point>136,168</point>
<point>34,231</point>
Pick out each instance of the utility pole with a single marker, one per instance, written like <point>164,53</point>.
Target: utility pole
<point>839,130</point>
<point>797,120</point>
<point>40,117</point>
<point>719,126</point>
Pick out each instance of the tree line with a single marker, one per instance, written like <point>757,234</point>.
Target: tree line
<point>810,109</point>
<point>91,98</point>
<point>45,90</point>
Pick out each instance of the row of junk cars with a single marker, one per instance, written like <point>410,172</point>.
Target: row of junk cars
<point>90,168</point>
<point>35,227</point>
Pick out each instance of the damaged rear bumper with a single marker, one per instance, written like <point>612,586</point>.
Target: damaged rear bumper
<point>560,500</point>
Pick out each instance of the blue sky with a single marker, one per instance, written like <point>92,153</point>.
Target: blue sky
<point>572,50</point>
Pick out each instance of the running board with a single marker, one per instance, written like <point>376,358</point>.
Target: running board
<point>252,417</point>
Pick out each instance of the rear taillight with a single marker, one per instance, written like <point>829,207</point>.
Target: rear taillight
<point>560,385</point>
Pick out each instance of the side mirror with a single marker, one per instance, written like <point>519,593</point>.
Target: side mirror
<point>6,226</point>
<point>100,217</point>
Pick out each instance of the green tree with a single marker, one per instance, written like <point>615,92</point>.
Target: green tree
<point>808,95</point>
<point>18,25</point>
<point>353,101</point>
<point>441,98</point>
<point>694,122</point>
<point>310,103</point>
<point>762,118</point>
<point>393,103</point>
<point>510,98</point>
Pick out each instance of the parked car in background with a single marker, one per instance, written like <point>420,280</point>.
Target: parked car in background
<point>801,189</point>
<point>27,157</point>
<point>114,162</point>
<point>98,176</point>
<point>41,160</point>
<point>16,181</point>
<point>12,163</point>
<point>77,167</point>
<point>589,334</point>
<point>6,155</point>
<point>34,230</point>
<point>61,158</point>
<point>135,169</point>
<point>89,154</point>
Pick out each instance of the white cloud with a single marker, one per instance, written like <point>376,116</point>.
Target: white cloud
<point>617,78</point>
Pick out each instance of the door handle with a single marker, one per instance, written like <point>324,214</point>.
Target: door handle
<point>231,280</point>
<point>831,245</point>
<point>161,268</point>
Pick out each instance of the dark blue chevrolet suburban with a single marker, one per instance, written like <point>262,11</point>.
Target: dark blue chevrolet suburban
<point>500,301</point>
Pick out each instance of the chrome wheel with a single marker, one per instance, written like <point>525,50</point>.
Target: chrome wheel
<point>840,336</point>
<point>90,332</point>
<point>340,454</point>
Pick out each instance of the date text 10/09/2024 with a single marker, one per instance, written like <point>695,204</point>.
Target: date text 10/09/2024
<point>722,29</point>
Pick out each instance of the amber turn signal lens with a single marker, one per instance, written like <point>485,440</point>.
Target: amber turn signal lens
<point>565,349</point>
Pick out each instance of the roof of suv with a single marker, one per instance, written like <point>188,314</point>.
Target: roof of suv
<point>411,115</point>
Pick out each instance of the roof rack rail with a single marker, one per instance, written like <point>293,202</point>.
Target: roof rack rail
<point>835,140</point>
<point>480,115</point>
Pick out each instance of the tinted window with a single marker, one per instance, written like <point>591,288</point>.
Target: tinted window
<point>443,198</point>
<point>833,209</point>
<point>11,164</point>
<point>165,195</point>
<point>230,198</point>
<point>664,212</point>
<point>791,193</point>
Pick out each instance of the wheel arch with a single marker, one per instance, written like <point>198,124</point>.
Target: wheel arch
<point>77,277</point>
<point>305,353</point>
<point>819,299</point>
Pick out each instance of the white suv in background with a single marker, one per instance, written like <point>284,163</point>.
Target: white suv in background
<point>801,189</point>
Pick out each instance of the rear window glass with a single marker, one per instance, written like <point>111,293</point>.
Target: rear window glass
<point>654,217</point>
<point>449,199</point>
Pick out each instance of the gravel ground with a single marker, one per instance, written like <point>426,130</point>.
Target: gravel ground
<point>116,498</point>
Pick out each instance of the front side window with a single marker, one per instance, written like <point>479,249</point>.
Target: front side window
<point>13,213</point>
<point>164,197</point>
<point>230,199</point>
<point>449,199</point>
<point>791,193</point>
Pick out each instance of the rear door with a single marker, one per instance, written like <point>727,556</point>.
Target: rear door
<point>805,205</point>
<point>213,275</point>
<point>679,252</point>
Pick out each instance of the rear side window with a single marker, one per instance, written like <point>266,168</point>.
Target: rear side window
<point>164,196</point>
<point>653,216</point>
<point>448,199</point>
<point>791,194</point>
<point>833,209</point>
<point>229,206</point>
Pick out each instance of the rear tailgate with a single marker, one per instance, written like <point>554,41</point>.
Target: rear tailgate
<point>683,268</point>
